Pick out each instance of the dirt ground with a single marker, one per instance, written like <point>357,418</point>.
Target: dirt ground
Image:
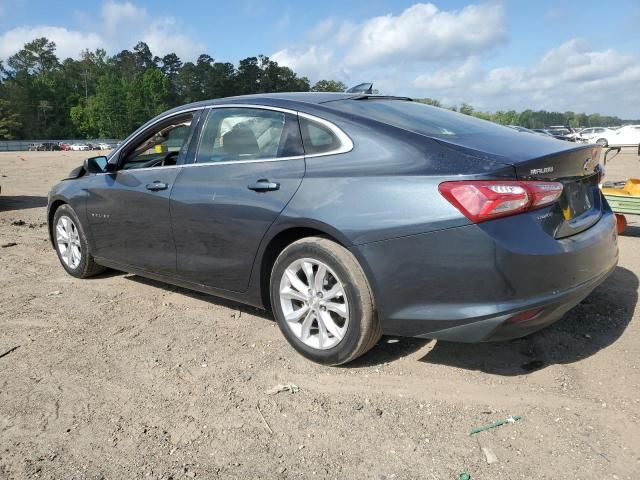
<point>121,377</point>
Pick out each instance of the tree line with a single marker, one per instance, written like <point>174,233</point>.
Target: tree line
<point>534,119</point>
<point>102,96</point>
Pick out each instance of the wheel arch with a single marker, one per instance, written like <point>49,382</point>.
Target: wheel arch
<point>53,207</point>
<point>281,240</point>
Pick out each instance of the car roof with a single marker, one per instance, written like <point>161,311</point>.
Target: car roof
<point>284,99</point>
<point>272,98</point>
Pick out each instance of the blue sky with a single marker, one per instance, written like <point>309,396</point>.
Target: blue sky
<point>570,55</point>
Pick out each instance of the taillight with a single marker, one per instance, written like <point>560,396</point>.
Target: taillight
<point>481,200</point>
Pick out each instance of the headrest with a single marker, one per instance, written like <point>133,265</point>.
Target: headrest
<point>240,140</point>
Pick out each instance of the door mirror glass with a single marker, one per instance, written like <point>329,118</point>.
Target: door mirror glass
<point>95,164</point>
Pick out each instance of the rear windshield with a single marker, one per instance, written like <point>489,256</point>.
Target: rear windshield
<point>419,118</point>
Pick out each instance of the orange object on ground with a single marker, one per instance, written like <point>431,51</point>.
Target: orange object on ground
<point>621,222</point>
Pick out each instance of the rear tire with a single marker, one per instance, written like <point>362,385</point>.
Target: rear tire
<point>602,142</point>
<point>322,302</point>
<point>71,244</point>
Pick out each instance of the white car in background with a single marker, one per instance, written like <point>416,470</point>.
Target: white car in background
<point>623,136</point>
<point>595,135</point>
<point>78,147</point>
<point>103,146</point>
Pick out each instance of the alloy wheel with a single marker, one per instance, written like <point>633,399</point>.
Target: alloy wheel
<point>314,303</point>
<point>68,241</point>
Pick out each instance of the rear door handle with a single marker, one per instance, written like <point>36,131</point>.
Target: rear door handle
<point>155,186</point>
<point>263,185</point>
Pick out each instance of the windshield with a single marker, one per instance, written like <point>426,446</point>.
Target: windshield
<point>419,118</point>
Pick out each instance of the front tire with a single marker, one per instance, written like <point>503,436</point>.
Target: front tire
<point>71,244</point>
<point>322,302</point>
<point>602,142</point>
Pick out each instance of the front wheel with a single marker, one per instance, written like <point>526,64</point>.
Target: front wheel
<point>602,142</point>
<point>322,301</point>
<point>71,244</point>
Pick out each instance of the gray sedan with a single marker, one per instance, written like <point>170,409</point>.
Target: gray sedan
<point>347,215</point>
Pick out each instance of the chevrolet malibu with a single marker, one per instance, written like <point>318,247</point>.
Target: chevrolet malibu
<point>347,215</point>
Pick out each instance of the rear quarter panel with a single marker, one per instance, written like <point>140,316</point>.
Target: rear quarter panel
<point>386,187</point>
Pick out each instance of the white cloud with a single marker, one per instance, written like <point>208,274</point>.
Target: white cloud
<point>421,33</point>
<point>69,43</point>
<point>568,77</point>
<point>448,78</point>
<point>427,52</point>
<point>126,24</point>
<point>117,16</point>
<point>121,25</point>
<point>322,29</point>
<point>314,61</point>
<point>425,33</point>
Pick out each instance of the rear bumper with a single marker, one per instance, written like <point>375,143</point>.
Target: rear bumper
<point>465,284</point>
<point>551,309</point>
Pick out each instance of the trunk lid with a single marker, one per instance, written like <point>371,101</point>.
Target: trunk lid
<point>535,157</point>
<point>580,205</point>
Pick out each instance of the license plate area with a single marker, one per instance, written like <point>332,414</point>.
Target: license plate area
<point>581,205</point>
<point>578,197</point>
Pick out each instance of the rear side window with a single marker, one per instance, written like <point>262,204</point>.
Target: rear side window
<point>419,118</point>
<point>317,138</point>
<point>241,134</point>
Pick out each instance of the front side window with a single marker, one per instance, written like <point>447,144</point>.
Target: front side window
<point>243,134</point>
<point>162,146</point>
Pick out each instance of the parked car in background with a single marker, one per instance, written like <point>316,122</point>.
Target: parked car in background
<point>562,133</point>
<point>518,128</point>
<point>79,147</point>
<point>541,131</point>
<point>565,130</point>
<point>348,215</point>
<point>65,146</point>
<point>49,147</point>
<point>595,135</point>
<point>624,136</point>
<point>43,147</point>
<point>103,146</point>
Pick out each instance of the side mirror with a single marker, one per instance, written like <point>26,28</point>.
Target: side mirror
<point>95,164</point>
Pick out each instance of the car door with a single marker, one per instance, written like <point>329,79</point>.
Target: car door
<point>128,207</point>
<point>248,166</point>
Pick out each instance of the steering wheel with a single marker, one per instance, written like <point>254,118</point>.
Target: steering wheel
<point>170,159</point>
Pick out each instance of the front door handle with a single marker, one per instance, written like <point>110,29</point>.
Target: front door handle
<point>155,186</point>
<point>263,185</point>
